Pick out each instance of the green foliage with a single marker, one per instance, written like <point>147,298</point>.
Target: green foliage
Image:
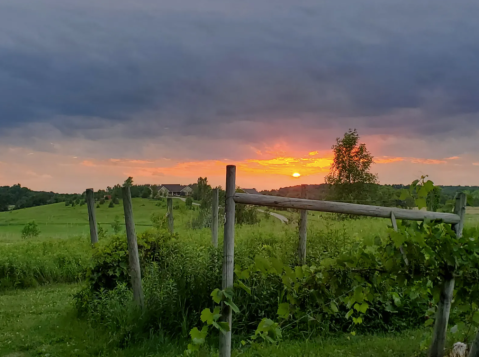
<point>246,214</point>
<point>158,221</point>
<point>116,225</point>
<point>33,263</point>
<point>111,205</point>
<point>350,176</point>
<point>102,201</point>
<point>116,201</point>
<point>30,230</point>
<point>189,202</point>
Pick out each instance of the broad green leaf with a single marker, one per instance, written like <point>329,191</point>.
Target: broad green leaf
<point>429,185</point>
<point>404,195</point>
<point>283,310</point>
<point>397,299</point>
<point>363,307</point>
<point>198,337</point>
<point>429,322</point>
<point>475,318</point>
<point>350,312</point>
<point>222,326</point>
<point>298,272</point>
<point>207,316</point>
<point>358,320</point>
<point>421,203</point>
<point>192,348</point>
<point>217,295</point>
<point>241,285</point>
<point>334,307</point>
<point>232,305</point>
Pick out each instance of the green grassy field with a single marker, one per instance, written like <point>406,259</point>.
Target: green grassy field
<point>41,321</point>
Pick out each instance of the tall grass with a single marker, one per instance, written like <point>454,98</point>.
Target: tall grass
<point>30,263</point>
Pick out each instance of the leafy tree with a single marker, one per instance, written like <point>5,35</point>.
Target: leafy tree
<point>201,189</point>
<point>30,230</point>
<point>350,177</point>
<point>146,192</point>
<point>154,191</point>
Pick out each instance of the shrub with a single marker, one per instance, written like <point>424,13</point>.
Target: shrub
<point>102,201</point>
<point>30,230</point>
<point>97,205</point>
<point>111,205</point>
<point>116,201</point>
<point>189,202</point>
<point>116,224</point>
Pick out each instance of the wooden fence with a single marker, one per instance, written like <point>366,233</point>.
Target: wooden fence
<point>304,205</point>
<point>456,219</point>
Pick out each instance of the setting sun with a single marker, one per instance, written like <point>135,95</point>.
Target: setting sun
<point>296,174</point>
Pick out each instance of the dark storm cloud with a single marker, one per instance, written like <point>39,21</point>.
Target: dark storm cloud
<point>91,64</point>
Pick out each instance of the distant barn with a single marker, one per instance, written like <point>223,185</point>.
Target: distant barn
<point>175,190</point>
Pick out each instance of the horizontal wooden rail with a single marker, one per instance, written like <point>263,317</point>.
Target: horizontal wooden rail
<point>346,208</point>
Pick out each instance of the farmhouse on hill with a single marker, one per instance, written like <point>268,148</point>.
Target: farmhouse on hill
<point>251,191</point>
<point>174,190</point>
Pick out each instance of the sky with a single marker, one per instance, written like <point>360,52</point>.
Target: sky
<point>94,91</point>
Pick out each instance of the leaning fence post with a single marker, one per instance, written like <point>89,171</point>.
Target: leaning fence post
<point>214,217</point>
<point>445,299</point>
<point>90,201</point>
<point>171,223</point>
<point>228,256</point>
<point>134,261</point>
<point>303,233</point>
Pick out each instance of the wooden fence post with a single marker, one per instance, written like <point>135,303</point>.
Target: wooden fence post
<point>134,261</point>
<point>445,299</point>
<point>475,347</point>
<point>90,201</point>
<point>171,223</point>
<point>214,217</point>
<point>395,227</point>
<point>303,230</point>
<point>228,256</point>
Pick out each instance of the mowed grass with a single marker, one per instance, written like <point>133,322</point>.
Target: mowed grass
<point>42,322</point>
<point>60,221</point>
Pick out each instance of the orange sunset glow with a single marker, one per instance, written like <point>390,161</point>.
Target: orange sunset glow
<point>296,174</point>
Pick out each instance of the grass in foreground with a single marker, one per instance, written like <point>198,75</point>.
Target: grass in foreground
<point>42,322</point>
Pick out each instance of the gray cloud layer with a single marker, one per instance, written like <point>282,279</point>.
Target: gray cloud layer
<point>383,64</point>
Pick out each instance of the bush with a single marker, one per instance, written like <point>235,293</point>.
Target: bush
<point>102,201</point>
<point>97,205</point>
<point>116,201</point>
<point>189,202</point>
<point>111,205</point>
<point>116,224</point>
<point>30,230</point>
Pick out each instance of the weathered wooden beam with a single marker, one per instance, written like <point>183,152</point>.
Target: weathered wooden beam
<point>303,230</point>
<point>214,217</point>
<point>228,256</point>
<point>134,261</point>
<point>447,292</point>
<point>90,201</point>
<point>395,227</point>
<point>345,208</point>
